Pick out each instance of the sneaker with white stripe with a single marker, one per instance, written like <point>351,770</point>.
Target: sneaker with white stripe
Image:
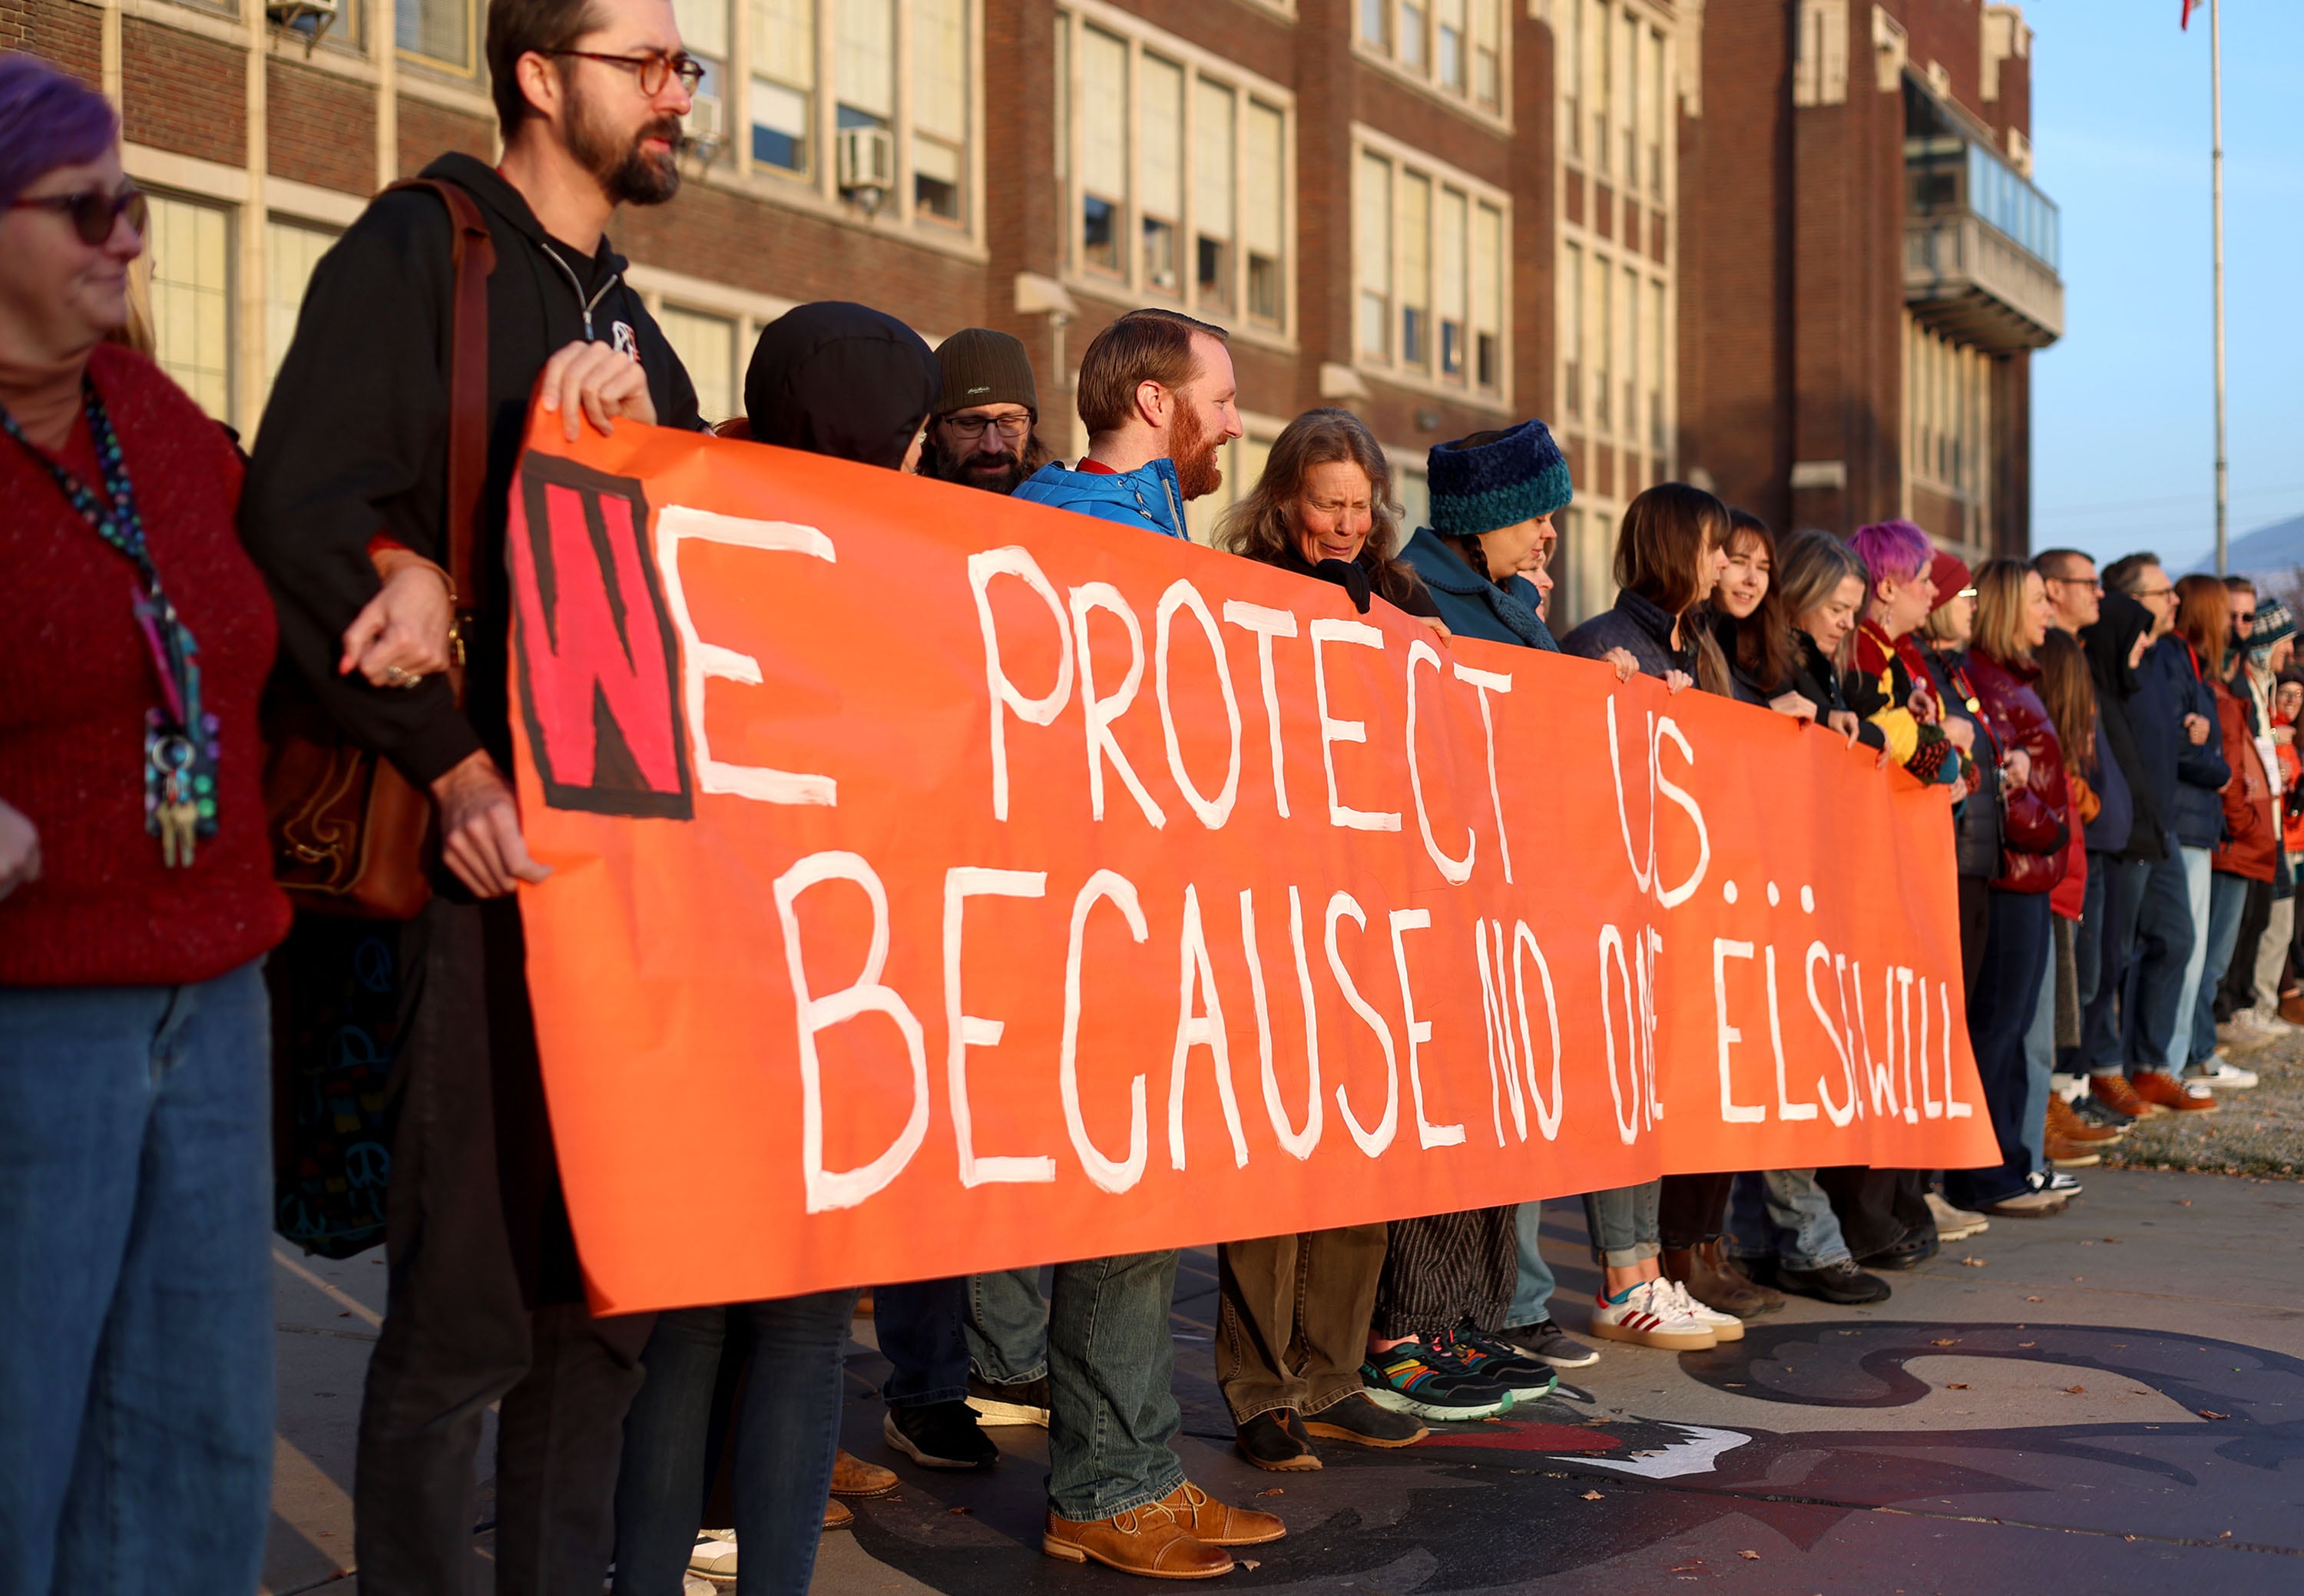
<point>1649,1314</point>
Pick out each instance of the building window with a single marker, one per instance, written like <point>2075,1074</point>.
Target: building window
<point>1572,81</point>
<point>1414,488</point>
<point>1604,111</point>
<point>436,31</point>
<point>1177,171</point>
<point>1603,324</point>
<point>939,107</point>
<point>189,247</point>
<point>1571,329</point>
<point>1660,125</point>
<point>707,346</point>
<point>784,84</point>
<point>1430,260</point>
<point>1455,46</point>
<point>1241,461</point>
<point>704,34</point>
<point>1657,346</point>
<point>1631,352</point>
<point>864,64</point>
<point>290,251</point>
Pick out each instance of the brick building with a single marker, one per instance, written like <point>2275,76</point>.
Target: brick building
<point>1448,214</point>
<point>1869,266</point>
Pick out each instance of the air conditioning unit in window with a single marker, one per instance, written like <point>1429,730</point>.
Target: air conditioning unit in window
<point>707,128</point>
<point>309,18</point>
<point>867,164</point>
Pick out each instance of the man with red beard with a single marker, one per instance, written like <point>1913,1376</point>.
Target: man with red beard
<point>345,512</point>
<point>1157,397</point>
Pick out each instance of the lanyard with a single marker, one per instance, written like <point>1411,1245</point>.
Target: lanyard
<point>113,518</point>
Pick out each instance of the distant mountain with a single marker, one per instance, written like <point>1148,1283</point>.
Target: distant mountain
<point>2272,551</point>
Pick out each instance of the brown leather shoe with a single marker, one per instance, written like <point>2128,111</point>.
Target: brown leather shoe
<point>1219,1525</point>
<point>2115,1094</point>
<point>2066,1154</point>
<point>2160,1087</point>
<point>1713,1280</point>
<point>1149,1540</point>
<point>852,1476</point>
<point>2064,1121</point>
<point>837,1516</point>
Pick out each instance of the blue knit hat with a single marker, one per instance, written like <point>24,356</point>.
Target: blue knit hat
<point>1495,479</point>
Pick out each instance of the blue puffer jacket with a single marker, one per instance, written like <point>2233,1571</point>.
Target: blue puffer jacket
<point>1148,497</point>
<point>2201,772</point>
<point>1471,605</point>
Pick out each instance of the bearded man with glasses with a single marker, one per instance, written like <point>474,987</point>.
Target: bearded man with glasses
<point>345,511</point>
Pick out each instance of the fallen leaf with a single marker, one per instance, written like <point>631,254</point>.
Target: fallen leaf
<point>1973,1263</point>
<point>2028,1344</point>
<point>2112,1241</point>
<point>2088,1243</point>
<point>2036,1299</point>
<point>1957,1386</point>
<point>1591,1495</point>
<point>1947,1341</point>
<point>2210,1414</point>
<point>2075,1390</point>
<point>1275,1491</point>
<point>1250,1563</point>
<point>2183,1202</point>
<point>2225,1536</point>
<point>1749,1557</point>
<point>960,1509</point>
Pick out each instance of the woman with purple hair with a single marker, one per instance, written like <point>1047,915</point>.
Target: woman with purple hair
<point>1894,689</point>
<point>136,908</point>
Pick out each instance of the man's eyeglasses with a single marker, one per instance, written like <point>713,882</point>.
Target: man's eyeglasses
<point>2144,593</point>
<point>93,212</point>
<point>971,428</point>
<point>654,69</point>
<point>2094,583</point>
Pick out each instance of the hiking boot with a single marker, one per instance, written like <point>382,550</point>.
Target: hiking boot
<point>2115,1094</point>
<point>1016,1402</point>
<point>2064,1121</point>
<point>1714,1281</point>
<point>1361,1422</point>
<point>2158,1086</point>
<point>1842,1283</point>
<point>1547,1343</point>
<point>939,1435</point>
<point>1269,1441</point>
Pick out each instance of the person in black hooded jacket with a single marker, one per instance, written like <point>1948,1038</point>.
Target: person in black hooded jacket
<point>856,383</point>
<point>343,511</point>
<point>2115,645</point>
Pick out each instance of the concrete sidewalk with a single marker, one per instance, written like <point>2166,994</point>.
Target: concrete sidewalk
<point>2109,1401</point>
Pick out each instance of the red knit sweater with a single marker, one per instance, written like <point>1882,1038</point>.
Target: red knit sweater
<point>78,680</point>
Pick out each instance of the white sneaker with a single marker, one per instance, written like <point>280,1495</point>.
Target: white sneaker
<point>1650,1315</point>
<point>714,1557</point>
<point>1724,1327</point>
<point>2216,1075</point>
<point>1955,1224</point>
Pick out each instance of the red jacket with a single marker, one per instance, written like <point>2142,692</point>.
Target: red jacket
<point>2251,831</point>
<point>2035,826</point>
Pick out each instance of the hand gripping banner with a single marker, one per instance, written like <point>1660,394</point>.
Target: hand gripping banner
<point>944,883</point>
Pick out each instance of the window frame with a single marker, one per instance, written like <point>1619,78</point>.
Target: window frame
<point>1233,309</point>
<point>1391,366</point>
<point>1424,75</point>
<point>473,70</point>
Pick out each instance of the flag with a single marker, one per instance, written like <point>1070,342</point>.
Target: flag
<point>2187,22</point>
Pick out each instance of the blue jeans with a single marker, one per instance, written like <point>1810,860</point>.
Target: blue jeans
<point>1998,1017</point>
<point>136,1390</point>
<point>787,1432</point>
<point>1624,1224</point>
<point>2100,964</point>
<point>1007,1326</point>
<point>2040,1058</point>
<point>1784,1214</point>
<point>1112,1405</point>
<point>2197,907</point>
<point>923,1334</point>
<point>2227,896</point>
<point>1531,1301</point>
<point>2160,946</point>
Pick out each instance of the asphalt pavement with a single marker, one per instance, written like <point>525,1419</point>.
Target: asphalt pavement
<point>2111,1401</point>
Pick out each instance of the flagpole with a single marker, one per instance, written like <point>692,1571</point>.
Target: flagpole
<point>2216,100</point>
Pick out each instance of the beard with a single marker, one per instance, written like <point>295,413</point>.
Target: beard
<point>1195,457</point>
<point>995,473</point>
<point>625,173</point>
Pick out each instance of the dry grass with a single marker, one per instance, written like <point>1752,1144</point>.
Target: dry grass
<point>2259,1132</point>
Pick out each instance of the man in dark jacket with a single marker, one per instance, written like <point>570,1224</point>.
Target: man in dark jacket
<point>2175,717</point>
<point>485,1302</point>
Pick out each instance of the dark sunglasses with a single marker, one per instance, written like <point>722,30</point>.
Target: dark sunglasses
<point>94,212</point>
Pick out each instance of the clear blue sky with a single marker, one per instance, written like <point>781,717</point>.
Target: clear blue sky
<point>2123,408</point>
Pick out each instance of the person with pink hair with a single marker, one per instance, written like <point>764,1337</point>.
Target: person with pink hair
<point>1894,691</point>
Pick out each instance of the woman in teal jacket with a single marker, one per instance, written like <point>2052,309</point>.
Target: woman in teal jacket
<point>1494,496</point>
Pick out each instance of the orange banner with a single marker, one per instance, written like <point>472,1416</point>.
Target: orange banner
<point>944,883</point>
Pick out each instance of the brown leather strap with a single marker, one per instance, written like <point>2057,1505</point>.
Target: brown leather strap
<point>473,252</point>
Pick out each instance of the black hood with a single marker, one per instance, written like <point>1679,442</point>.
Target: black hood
<point>2109,641</point>
<point>840,379</point>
